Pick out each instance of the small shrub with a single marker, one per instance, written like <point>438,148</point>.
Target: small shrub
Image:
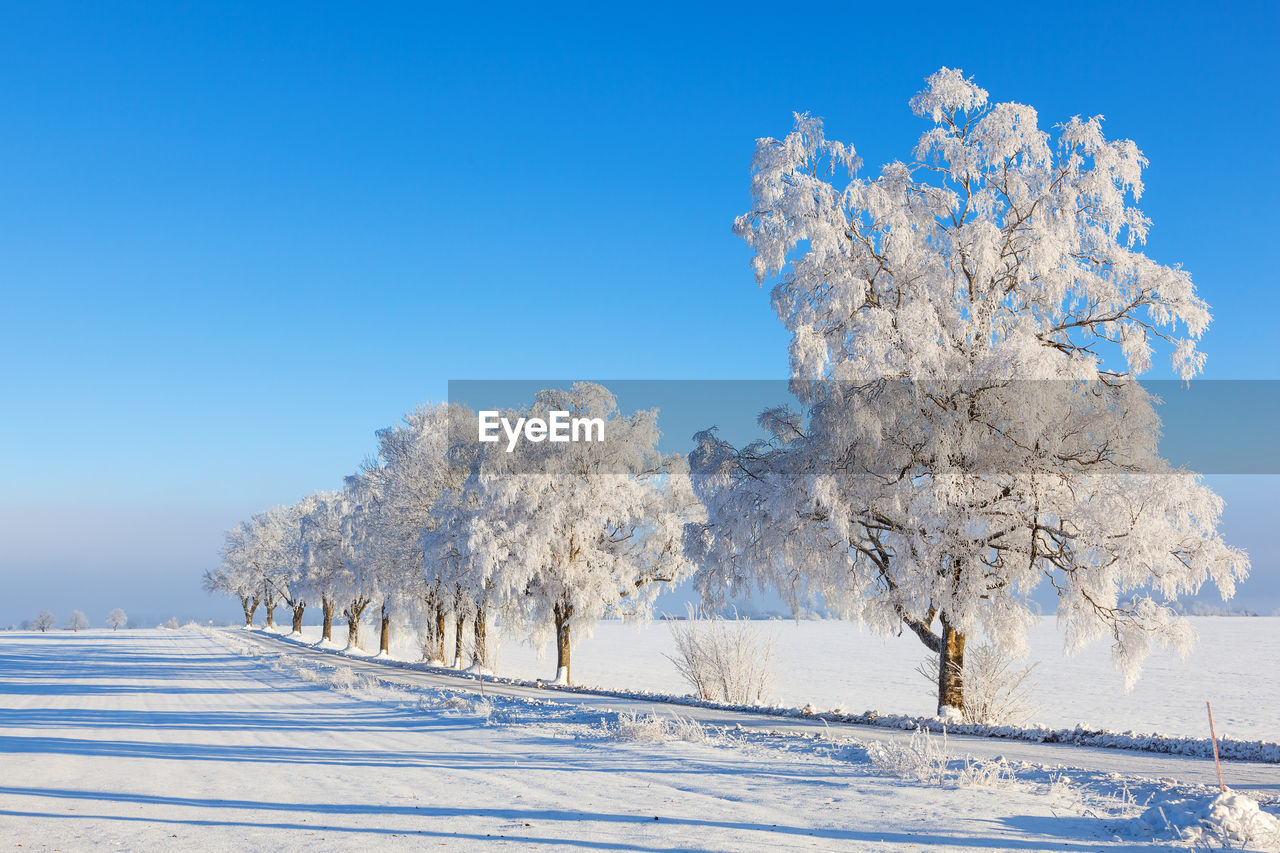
<point>724,660</point>
<point>654,729</point>
<point>983,773</point>
<point>343,678</point>
<point>921,757</point>
<point>924,757</point>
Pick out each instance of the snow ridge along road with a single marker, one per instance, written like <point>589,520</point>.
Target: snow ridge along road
<point>1258,779</point>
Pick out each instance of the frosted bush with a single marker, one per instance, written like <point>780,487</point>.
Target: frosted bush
<point>983,773</point>
<point>921,757</point>
<point>307,674</point>
<point>343,678</point>
<point>724,660</point>
<point>924,757</point>
<point>454,702</point>
<point>492,715</point>
<point>654,729</point>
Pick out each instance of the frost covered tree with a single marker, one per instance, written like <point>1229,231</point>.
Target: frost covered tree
<point>261,563</point>
<point>414,470</point>
<point>277,558</point>
<point>283,565</point>
<point>402,483</point>
<point>240,575</point>
<point>568,532</point>
<point>371,567</point>
<point>325,550</point>
<point>448,553</point>
<point>451,563</point>
<point>966,329</point>
<point>371,571</point>
<point>117,619</point>
<point>44,621</point>
<point>77,621</point>
<point>264,534</point>
<point>241,586</point>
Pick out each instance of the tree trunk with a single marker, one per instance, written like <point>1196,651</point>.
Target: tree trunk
<point>459,630</point>
<point>353,629</point>
<point>249,606</point>
<point>951,670</point>
<point>479,654</point>
<point>297,616</point>
<point>384,639</point>
<point>437,653</point>
<point>271,613</point>
<point>326,629</point>
<point>563,613</point>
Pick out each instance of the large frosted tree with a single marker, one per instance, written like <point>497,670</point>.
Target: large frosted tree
<point>965,332</point>
<point>565,533</point>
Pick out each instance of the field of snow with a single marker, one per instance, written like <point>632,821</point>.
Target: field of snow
<point>147,740</point>
<point>839,666</point>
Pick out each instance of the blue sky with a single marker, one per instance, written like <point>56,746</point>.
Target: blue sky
<point>236,239</point>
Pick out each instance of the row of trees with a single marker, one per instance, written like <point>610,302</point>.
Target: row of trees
<point>439,529</point>
<point>77,621</point>
<point>965,328</point>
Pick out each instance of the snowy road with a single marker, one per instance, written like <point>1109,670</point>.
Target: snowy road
<point>149,740</point>
<point>1262,781</point>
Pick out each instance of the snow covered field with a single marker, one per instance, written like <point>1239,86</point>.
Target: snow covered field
<point>836,665</point>
<point>145,740</point>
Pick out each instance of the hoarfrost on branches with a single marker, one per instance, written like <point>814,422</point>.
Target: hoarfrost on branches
<point>567,533</point>
<point>326,548</point>
<point>965,332</point>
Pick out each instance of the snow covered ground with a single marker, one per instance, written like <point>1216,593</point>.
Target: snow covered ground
<point>837,665</point>
<point>143,740</point>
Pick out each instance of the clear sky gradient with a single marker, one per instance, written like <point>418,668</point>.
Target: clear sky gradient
<point>235,239</point>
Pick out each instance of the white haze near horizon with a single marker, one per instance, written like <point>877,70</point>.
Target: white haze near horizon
<point>148,558</point>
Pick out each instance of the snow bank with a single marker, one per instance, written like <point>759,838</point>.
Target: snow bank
<point>842,666</point>
<point>870,671</point>
<point>1229,819</point>
<point>1080,735</point>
